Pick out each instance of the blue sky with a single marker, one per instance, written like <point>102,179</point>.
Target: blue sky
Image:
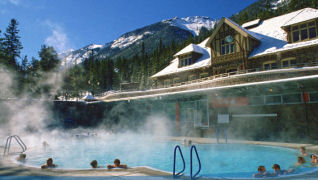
<point>72,24</point>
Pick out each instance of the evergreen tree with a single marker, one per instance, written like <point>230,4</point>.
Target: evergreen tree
<point>49,58</point>
<point>11,43</point>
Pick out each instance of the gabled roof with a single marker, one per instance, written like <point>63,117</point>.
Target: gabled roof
<point>301,16</point>
<point>173,67</point>
<point>190,48</point>
<point>274,39</point>
<point>233,25</point>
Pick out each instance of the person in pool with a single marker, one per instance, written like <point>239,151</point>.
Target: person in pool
<point>94,164</point>
<point>21,157</point>
<point>261,172</point>
<point>278,171</point>
<point>314,159</point>
<point>49,164</point>
<point>303,152</point>
<point>300,161</point>
<point>117,165</point>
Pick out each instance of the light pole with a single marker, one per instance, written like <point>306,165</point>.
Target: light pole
<point>230,39</point>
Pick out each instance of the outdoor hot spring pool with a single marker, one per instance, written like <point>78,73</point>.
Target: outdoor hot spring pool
<point>218,160</point>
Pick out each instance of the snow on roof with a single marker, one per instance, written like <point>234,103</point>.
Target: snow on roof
<point>203,61</point>
<point>88,97</point>
<point>190,48</point>
<point>243,29</point>
<point>251,23</point>
<point>274,39</point>
<point>302,15</point>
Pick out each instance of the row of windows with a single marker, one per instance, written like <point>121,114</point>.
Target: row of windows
<point>227,47</point>
<point>304,31</point>
<point>282,99</point>
<point>186,60</point>
<point>167,82</point>
<point>284,64</point>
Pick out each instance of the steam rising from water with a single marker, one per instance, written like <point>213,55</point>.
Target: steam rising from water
<point>35,122</point>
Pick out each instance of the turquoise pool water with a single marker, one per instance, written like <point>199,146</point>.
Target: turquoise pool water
<point>218,160</point>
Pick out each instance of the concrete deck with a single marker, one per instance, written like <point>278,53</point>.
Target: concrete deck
<point>11,170</point>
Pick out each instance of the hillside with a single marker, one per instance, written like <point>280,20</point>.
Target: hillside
<point>129,43</point>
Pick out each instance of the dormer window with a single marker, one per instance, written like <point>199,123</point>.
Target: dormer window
<point>186,60</point>
<point>227,47</point>
<point>304,31</point>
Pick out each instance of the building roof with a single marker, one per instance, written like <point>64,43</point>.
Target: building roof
<point>274,39</point>
<point>203,61</point>
<point>190,48</point>
<point>235,26</point>
<point>302,15</point>
<point>251,23</point>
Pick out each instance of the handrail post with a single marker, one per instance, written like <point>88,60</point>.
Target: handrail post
<point>225,135</point>
<point>217,135</point>
<point>174,162</point>
<point>196,152</point>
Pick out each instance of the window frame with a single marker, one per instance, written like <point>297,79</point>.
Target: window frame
<point>227,46</point>
<point>186,60</point>
<point>270,63</point>
<point>289,62</point>
<point>298,29</point>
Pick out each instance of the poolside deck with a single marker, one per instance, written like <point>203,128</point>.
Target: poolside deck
<point>11,170</point>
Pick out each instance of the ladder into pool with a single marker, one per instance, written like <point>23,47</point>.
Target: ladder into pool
<point>193,148</point>
<point>8,144</point>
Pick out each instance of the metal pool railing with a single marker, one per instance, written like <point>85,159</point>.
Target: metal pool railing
<point>193,148</point>
<point>8,144</point>
<point>174,162</point>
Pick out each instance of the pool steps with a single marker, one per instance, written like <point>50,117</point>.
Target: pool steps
<point>193,148</point>
<point>8,144</point>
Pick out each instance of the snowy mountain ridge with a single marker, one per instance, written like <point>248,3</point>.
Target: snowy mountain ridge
<point>192,23</point>
<point>177,27</point>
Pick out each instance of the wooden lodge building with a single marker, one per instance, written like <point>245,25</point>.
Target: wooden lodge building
<point>285,41</point>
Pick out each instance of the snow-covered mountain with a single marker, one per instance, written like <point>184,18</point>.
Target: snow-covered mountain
<point>192,24</point>
<point>129,44</point>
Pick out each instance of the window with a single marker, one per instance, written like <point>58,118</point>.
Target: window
<point>166,83</point>
<point>276,99</point>
<point>176,80</point>
<point>203,75</point>
<point>191,77</point>
<point>270,65</point>
<point>313,96</point>
<point>256,100</point>
<point>304,31</point>
<point>289,63</point>
<point>186,60</point>
<point>292,98</point>
<point>227,48</point>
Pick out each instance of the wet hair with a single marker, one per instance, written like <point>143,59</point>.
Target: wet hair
<point>261,168</point>
<point>301,159</point>
<point>50,159</point>
<point>94,164</point>
<point>116,161</point>
<point>276,166</point>
<point>22,156</point>
<point>303,148</point>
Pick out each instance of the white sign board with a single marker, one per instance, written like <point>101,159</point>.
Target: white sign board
<point>223,118</point>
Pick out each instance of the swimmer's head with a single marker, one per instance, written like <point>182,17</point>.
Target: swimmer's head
<point>94,164</point>
<point>276,167</point>
<point>261,169</point>
<point>117,162</point>
<point>49,161</point>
